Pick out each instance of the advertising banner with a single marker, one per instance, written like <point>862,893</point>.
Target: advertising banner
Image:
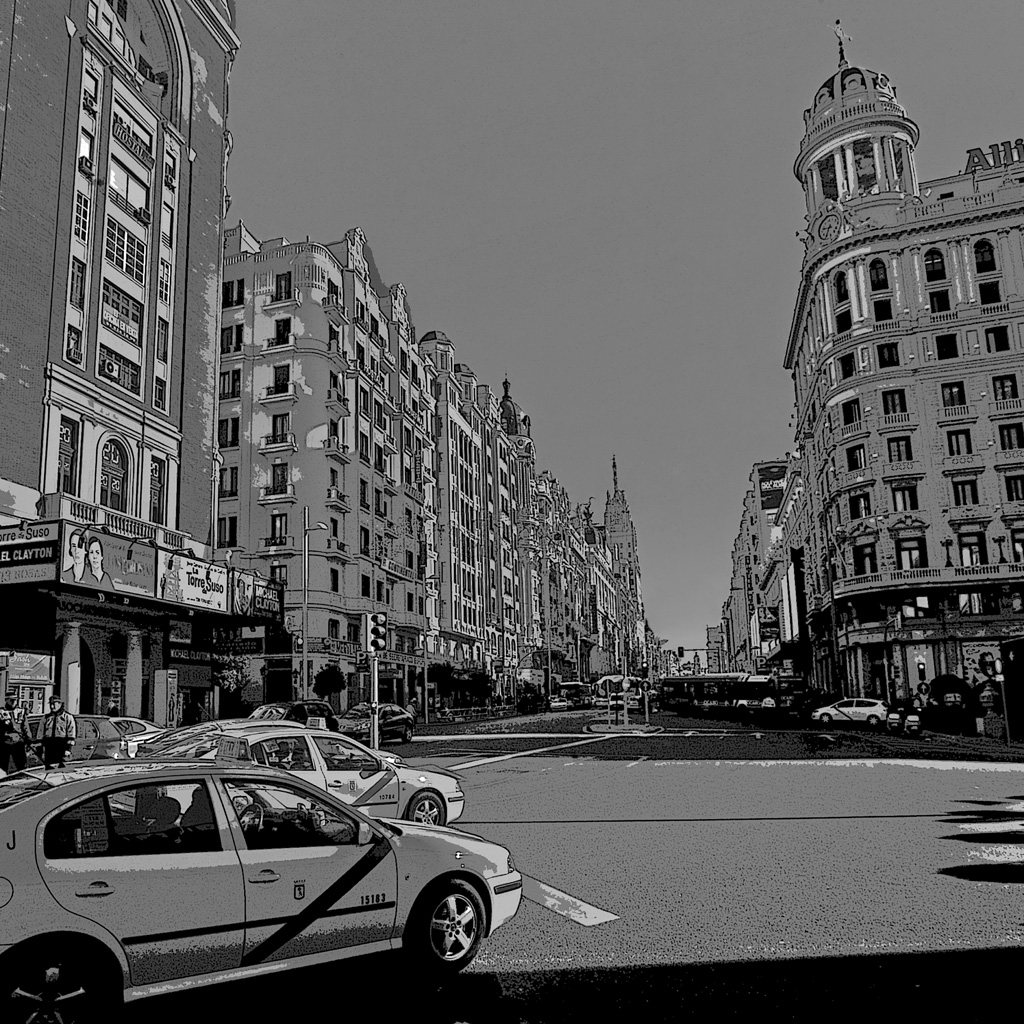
<point>768,629</point>
<point>102,561</point>
<point>266,600</point>
<point>770,483</point>
<point>189,581</point>
<point>243,585</point>
<point>29,554</point>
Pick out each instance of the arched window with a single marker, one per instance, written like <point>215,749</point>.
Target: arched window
<point>879,277</point>
<point>842,292</point>
<point>984,256</point>
<point>934,266</point>
<point>114,476</point>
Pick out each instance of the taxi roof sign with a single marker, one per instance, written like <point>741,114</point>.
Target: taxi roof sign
<point>233,747</point>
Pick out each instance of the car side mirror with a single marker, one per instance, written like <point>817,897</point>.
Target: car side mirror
<point>365,834</point>
<point>371,768</point>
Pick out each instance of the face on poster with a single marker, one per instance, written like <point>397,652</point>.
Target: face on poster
<point>189,581</point>
<point>242,586</point>
<point>102,561</point>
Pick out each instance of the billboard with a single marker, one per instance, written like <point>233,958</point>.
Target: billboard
<point>771,479</point>
<point>29,554</point>
<point>103,561</point>
<point>189,581</point>
<point>267,599</point>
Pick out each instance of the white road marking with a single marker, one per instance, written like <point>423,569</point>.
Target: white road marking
<point>999,854</point>
<point>994,826</point>
<point>526,753</point>
<point>497,736</point>
<point>633,764</point>
<point>562,903</point>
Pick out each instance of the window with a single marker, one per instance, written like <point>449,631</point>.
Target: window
<point>228,482</point>
<point>911,553</point>
<point>231,384</point>
<point>114,476</point>
<point>843,321</point>
<point>378,502</point>
<point>352,630</point>
<point>279,527</point>
<point>288,817</point>
<point>232,293</point>
<point>842,293</point>
<point>227,531</point>
<point>946,347</point>
<point>279,574</point>
<point>878,276</point>
<point>123,372</point>
<point>988,292</point>
<point>408,602</point>
<point>157,488</point>
<point>335,577</point>
<point>860,506</point>
<point>378,458</point>
<point>167,225</point>
<point>984,257</point>
<point>827,176</point>
<point>938,302</point>
<point>894,401</point>
<point>159,393</point>
<point>965,492</point>
<point>864,560</point>
<point>364,447</point>
<point>77,289</point>
<point>334,528</point>
<point>364,402</point>
<point>364,541</point>
<point>121,313</point>
<point>1011,436</point>
<point>889,354</point>
<point>227,432</point>
<point>364,493</point>
<point>1017,541</point>
<point>1015,488</point>
<point>856,457</point>
<point>164,284</point>
<point>282,379</point>
<point>162,331</point>
<point>280,477</point>
<point>1004,388</point>
<point>67,456</point>
<point>851,412</point>
<point>283,287</point>
<point>997,339</point>
<point>953,394</point>
<point>364,585</point>
<point>958,442</point>
<point>82,216</point>
<point>231,339</point>
<point>900,449</point>
<point>847,366</point>
<point>85,145</point>
<point>883,309</point>
<point>282,328</point>
<point>333,336</point>
<point>128,192</point>
<point>972,549</point>
<point>333,629</point>
<point>380,592</point>
<point>125,251</point>
<point>904,498</point>
<point>280,425</point>
<point>934,266</point>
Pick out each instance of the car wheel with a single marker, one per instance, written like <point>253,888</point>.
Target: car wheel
<point>873,720</point>
<point>426,808</point>
<point>445,928</point>
<point>407,734</point>
<point>59,982</point>
<point>825,719</point>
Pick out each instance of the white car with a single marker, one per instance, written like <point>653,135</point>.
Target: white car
<point>212,870</point>
<point>852,709</point>
<point>601,702</point>
<point>135,731</point>
<point>558,704</point>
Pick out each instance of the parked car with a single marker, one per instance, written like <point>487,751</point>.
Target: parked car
<point>601,703</point>
<point>395,723</point>
<point>558,704</point>
<point>135,731</point>
<point>344,884</point>
<point>852,710</point>
<point>297,711</point>
<point>352,772</point>
<point>97,737</point>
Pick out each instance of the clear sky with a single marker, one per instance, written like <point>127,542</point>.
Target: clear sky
<point>597,199</point>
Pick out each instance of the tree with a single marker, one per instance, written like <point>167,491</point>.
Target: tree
<point>330,679</point>
<point>231,672</point>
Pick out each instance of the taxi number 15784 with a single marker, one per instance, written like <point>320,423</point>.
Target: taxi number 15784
<point>374,897</point>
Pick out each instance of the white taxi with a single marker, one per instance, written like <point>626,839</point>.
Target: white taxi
<point>354,773</point>
<point>129,879</point>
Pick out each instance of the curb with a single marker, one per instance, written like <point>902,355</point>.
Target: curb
<point>625,730</point>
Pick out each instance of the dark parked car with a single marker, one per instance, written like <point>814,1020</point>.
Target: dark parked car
<point>297,711</point>
<point>395,723</point>
<point>97,737</point>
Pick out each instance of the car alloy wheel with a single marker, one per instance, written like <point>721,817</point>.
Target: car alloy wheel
<point>825,719</point>
<point>454,927</point>
<point>426,809</point>
<point>64,986</point>
<point>873,720</point>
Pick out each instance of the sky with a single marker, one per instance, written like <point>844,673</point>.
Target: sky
<point>597,199</point>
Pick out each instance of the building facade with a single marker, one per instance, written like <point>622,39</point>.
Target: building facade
<point>620,533</point>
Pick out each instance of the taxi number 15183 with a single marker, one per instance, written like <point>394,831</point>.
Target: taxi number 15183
<point>374,897</point>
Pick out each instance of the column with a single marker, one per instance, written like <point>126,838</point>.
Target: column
<point>131,702</point>
<point>826,300</point>
<point>956,255</point>
<point>962,247</point>
<point>862,288</point>
<point>897,285</point>
<point>70,686</point>
<point>840,172</point>
<point>881,171</point>
<point>915,257</point>
<point>1009,270</point>
<point>851,170</point>
<point>856,306</point>
<point>816,193</point>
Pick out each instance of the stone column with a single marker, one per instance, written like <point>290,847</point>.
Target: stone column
<point>1009,270</point>
<point>881,171</point>
<point>964,249</point>
<point>816,193</point>
<point>840,171</point>
<point>897,286</point>
<point>862,288</point>
<point>890,153</point>
<point>915,257</point>
<point>70,686</point>
<point>955,255</point>
<point>851,170</point>
<point>826,308</point>
<point>131,701</point>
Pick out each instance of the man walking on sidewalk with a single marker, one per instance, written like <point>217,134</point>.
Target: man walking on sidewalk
<point>57,734</point>
<point>15,738</point>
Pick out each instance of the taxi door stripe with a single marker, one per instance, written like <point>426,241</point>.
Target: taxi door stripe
<point>373,791</point>
<point>320,907</point>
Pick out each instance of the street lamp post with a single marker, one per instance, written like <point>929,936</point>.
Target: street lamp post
<point>306,530</point>
<point>426,662</point>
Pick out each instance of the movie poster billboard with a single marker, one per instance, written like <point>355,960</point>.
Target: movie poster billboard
<point>190,581</point>
<point>266,600</point>
<point>771,481</point>
<point>105,562</point>
<point>243,583</point>
<point>29,554</point>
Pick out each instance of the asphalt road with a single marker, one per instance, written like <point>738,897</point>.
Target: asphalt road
<point>674,887</point>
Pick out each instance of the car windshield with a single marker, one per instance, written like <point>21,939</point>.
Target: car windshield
<point>359,711</point>
<point>180,742</point>
<point>269,712</point>
<point>16,788</point>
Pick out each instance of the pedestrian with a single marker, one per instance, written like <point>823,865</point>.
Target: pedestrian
<point>413,710</point>
<point>113,711</point>
<point>57,734</point>
<point>16,737</point>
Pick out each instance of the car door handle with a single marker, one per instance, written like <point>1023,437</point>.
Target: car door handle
<point>96,889</point>
<point>266,876</point>
<point>338,785</point>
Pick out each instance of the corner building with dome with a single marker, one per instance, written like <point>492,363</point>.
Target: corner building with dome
<point>906,356</point>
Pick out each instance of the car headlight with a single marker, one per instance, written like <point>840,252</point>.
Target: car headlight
<point>511,864</point>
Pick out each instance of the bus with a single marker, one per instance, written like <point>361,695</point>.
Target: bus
<point>715,691</point>
<point>579,695</point>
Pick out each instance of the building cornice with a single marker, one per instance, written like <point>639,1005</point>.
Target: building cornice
<point>214,22</point>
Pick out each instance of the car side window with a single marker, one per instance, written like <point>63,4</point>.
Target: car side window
<point>275,816</point>
<point>136,822</point>
<point>845,704</point>
<point>87,730</point>
<point>340,756</point>
<point>290,753</point>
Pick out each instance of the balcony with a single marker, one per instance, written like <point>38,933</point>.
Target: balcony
<point>390,530</point>
<point>386,354</point>
<point>908,578</point>
<point>281,300</point>
<point>1011,457</point>
<point>278,541</point>
<point>65,506</point>
<point>898,420</point>
<point>849,429</point>
<point>274,494</point>
<point>952,413</point>
<point>337,550</point>
<point>336,312</point>
<point>280,393</point>
<point>278,443</point>
<point>390,444</point>
<point>334,449</point>
<point>336,399</point>
<point>278,344</point>
<point>911,468</point>
<point>953,463</point>
<point>337,498</point>
<point>1006,407</point>
<point>390,485</point>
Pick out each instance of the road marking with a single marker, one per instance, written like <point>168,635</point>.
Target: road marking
<point>562,903</point>
<point>497,736</point>
<point>635,763</point>
<point>526,753</point>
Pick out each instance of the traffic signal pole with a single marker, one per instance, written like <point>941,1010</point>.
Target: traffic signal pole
<point>374,694</point>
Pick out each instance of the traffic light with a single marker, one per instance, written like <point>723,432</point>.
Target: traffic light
<point>681,653</point>
<point>376,631</point>
<point>645,670</point>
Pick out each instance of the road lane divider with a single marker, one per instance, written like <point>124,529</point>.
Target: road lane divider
<point>497,736</point>
<point>526,753</point>
<point>562,903</point>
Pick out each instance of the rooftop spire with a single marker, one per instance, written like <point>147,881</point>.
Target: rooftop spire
<point>841,35</point>
<point>615,474</point>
